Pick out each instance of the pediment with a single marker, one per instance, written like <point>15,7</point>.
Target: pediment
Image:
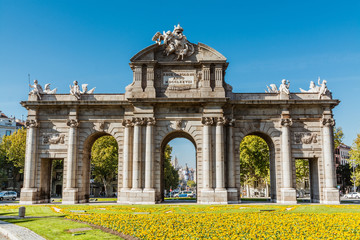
<point>156,53</point>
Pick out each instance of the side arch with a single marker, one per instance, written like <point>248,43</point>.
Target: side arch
<point>87,137</point>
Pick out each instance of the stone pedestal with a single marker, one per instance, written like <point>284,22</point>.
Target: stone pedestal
<point>331,196</point>
<point>232,196</point>
<point>137,196</point>
<point>221,196</point>
<point>28,196</point>
<point>288,196</point>
<point>70,196</point>
<point>210,196</point>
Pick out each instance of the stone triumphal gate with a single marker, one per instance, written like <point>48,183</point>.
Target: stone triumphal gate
<point>178,90</point>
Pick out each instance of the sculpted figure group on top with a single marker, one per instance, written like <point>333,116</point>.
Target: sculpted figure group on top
<point>175,42</point>
<point>285,85</point>
<point>74,90</point>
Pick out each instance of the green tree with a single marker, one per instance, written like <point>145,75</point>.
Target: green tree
<point>254,160</point>
<point>191,183</point>
<point>338,136</point>
<point>12,148</point>
<point>355,157</point>
<point>104,159</point>
<point>171,176</point>
<point>302,170</point>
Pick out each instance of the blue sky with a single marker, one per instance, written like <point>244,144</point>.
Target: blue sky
<point>264,41</point>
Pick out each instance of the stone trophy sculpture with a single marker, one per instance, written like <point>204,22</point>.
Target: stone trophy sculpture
<point>175,42</point>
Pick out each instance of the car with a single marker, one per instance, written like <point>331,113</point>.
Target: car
<point>8,195</point>
<point>352,195</point>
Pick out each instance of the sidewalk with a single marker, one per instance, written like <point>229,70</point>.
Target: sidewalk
<point>15,232</point>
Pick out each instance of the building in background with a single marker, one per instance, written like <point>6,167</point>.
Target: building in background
<point>343,168</point>
<point>9,125</point>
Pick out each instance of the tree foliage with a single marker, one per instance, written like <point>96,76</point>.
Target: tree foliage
<point>12,148</point>
<point>338,136</point>
<point>302,170</point>
<point>355,157</point>
<point>254,160</point>
<point>191,183</point>
<point>171,175</point>
<point>104,160</point>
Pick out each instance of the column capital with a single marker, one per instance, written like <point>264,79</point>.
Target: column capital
<point>220,121</point>
<point>230,122</point>
<point>138,121</point>
<point>127,123</point>
<point>207,121</point>
<point>287,122</point>
<point>150,121</point>
<point>72,123</point>
<point>31,123</point>
<point>328,122</point>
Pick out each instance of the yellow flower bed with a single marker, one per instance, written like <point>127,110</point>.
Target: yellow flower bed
<point>210,223</point>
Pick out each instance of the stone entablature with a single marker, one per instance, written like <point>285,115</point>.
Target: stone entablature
<point>169,98</point>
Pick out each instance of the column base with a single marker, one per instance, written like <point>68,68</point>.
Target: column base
<point>288,196</point>
<point>70,196</point>
<point>232,194</point>
<point>211,196</point>
<point>29,196</point>
<point>137,196</point>
<point>331,196</point>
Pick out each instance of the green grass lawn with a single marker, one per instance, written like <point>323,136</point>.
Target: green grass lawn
<point>57,228</point>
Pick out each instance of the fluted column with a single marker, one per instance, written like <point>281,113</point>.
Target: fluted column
<point>230,155</point>
<point>136,154</point>
<point>220,170</point>
<point>71,156</point>
<point>329,163</point>
<point>219,76</point>
<point>149,154</point>
<point>30,154</point>
<point>126,154</point>
<point>207,122</point>
<point>286,152</point>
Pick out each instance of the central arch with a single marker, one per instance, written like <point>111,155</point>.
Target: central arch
<point>164,142</point>
<point>272,161</point>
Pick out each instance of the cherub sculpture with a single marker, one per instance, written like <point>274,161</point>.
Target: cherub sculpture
<point>75,90</point>
<point>323,88</point>
<point>284,87</point>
